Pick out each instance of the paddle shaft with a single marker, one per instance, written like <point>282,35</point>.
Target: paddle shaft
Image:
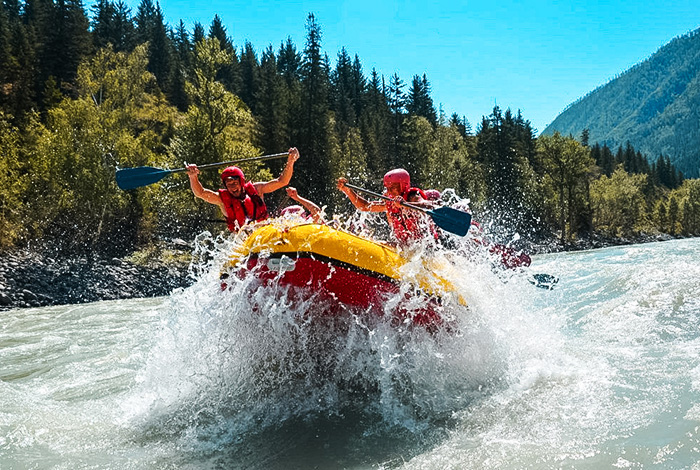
<point>131,178</point>
<point>381,196</point>
<point>447,218</point>
<point>244,160</point>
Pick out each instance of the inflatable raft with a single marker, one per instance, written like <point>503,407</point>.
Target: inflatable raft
<point>348,269</point>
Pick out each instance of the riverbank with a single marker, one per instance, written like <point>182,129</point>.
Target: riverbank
<point>34,279</point>
<point>30,278</point>
<point>596,241</point>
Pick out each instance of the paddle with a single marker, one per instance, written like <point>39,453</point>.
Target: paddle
<point>447,218</point>
<point>545,281</point>
<point>511,258</point>
<point>131,178</point>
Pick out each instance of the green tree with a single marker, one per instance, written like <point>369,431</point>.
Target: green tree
<point>618,203</point>
<point>348,159</point>
<point>13,185</point>
<point>313,166</point>
<point>452,164</point>
<point>230,73</point>
<point>418,100</point>
<point>417,149</point>
<point>250,77</point>
<point>342,92</point>
<point>289,66</point>
<point>65,41</point>
<point>397,101</point>
<point>568,164</point>
<point>375,127</point>
<point>503,156</point>
<point>151,29</point>
<point>274,106</point>
<point>691,207</point>
<point>18,72</point>
<point>661,215</point>
<point>673,215</point>
<point>182,63</point>
<point>217,123</point>
<point>358,87</point>
<point>462,124</point>
<point>111,24</point>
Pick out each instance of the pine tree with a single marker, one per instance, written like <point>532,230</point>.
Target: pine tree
<point>342,92</point>
<point>197,33</point>
<point>289,68</point>
<point>375,125</point>
<point>416,149</point>
<point>229,74</point>
<point>358,87</point>
<point>6,57</point>
<point>607,161</point>
<point>585,137</point>
<point>63,30</point>
<point>289,62</point>
<point>19,73</point>
<point>496,150</point>
<point>123,28</point>
<point>144,20</point>
<point>250,80</point>
<point>315,84</point>
<point>160,53</point>
<point>397,102</point>
<point>273,105</point>
<point>151,28</point>
<point>462,125</point>
<point>182,57</point>
<point>673,214</point>
<point>418,100</point>
<point>661,217</point>
<point>111,24</point>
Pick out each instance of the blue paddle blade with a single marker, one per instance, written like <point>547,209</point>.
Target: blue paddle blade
<point>544,281</point>
<point>132,178</point>
<point>451,220</point>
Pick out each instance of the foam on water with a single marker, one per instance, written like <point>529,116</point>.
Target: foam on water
<point>601,372</point>
<point>617,390</point>
<point>231,364</point>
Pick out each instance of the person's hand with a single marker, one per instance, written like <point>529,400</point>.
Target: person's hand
<point>293,155</point>
<point>192,169</point>
<point>291,192</point>
<point>341,183</point>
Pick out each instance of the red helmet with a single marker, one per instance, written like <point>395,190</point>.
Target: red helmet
<point>432,194</point>
<point>400,176</point>
<point>232,171</point>
<point>292,210</point>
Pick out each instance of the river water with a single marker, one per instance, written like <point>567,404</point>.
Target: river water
<point>601,372</point>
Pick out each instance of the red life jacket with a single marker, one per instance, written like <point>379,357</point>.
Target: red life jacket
<point>510,257</point>
<point>241,211</point>
<point>408,225</point>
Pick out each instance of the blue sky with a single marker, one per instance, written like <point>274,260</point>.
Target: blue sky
<point>535,56</point>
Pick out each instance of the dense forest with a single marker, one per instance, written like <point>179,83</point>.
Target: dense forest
<point>654,105</point>
<point>82,94</point>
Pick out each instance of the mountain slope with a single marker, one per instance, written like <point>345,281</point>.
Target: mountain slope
<point>655,106</point>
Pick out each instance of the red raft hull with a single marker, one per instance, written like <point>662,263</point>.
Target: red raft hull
<point>347,270</point>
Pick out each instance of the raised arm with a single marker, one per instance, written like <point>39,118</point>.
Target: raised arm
<point>358,201</point>
<point>313,209</point>
<point>284,178</point>
<point>199,190</point>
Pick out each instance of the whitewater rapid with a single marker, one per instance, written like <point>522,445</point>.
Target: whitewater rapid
<point>601,372</point>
